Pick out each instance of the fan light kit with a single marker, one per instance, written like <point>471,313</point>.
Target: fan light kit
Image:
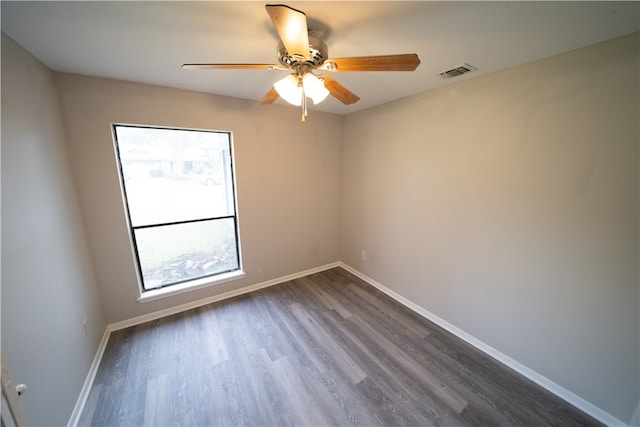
<point>294,87</point>
<point>302,54</point>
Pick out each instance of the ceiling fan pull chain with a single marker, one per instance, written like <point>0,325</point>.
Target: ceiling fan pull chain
<point>304,104</point>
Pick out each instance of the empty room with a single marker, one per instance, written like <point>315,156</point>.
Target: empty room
<point>320,213</point>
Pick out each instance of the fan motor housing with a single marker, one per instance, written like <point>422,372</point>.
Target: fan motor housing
<point>318,54</point>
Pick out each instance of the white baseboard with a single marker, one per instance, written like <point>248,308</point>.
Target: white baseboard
<point>199,303</point>
<point>539,379</point>
<point>88,382</point>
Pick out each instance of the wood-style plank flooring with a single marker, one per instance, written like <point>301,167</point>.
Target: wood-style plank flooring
<point>323,350</point>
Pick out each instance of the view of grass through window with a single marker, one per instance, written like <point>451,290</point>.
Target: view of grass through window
<point>180,200</point>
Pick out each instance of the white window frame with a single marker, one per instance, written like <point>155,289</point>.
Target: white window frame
<point>187,285</point>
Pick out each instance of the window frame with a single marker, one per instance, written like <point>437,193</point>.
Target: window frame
<point>186,285</point>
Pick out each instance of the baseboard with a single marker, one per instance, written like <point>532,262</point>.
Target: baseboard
<point>88,382</point>
<point>539,379</point>
<point>194,304</point>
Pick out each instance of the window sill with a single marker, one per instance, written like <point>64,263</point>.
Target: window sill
<point>190,286</point>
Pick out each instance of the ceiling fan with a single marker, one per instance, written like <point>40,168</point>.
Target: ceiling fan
<point>301,52</point>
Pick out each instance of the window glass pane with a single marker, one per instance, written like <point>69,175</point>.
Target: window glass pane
<point>176,253</point>
<point>180,198</point>
<point>173,175</point>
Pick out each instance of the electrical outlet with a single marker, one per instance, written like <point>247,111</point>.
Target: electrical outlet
<point>85,326</point>
<point>363,255</point>
<point>259,268</point>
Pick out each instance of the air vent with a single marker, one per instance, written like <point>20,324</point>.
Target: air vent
<point>457,71</point>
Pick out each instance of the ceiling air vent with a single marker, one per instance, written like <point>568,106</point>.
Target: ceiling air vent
<point>457,71</point>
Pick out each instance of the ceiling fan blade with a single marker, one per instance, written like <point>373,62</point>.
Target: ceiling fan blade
<point>291,25</point>
<point>338,91</point>
<point>233,66</point>
<point>270,97</point>
<point>403,62</point>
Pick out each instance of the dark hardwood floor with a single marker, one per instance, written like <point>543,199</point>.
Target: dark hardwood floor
<point>323,350</point>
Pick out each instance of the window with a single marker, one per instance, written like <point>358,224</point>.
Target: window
<point>179,194</point>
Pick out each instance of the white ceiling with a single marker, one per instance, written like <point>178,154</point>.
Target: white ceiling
<point>149,41</point>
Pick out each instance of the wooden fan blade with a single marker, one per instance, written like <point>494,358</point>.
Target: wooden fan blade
<point>403,62</point>
<point>291,25</point>
<point>338,91</point>
<point>232,66</point>
<point>270,97</point>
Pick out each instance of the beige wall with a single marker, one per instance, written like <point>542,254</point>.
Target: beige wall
<point>508,206</point>
<point>288,181</point>
<point>48,285</point>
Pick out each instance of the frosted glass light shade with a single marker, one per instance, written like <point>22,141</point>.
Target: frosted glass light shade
<point>289,90</point>
<point>314,88</point>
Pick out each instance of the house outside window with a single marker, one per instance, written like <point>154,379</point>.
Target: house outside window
<point>179,196</point>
